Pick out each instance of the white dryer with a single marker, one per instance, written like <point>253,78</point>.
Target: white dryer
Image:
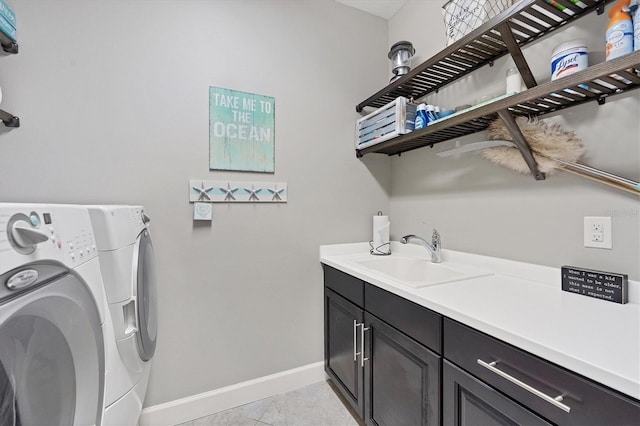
<point>52,308</point>
<point>129,275</point>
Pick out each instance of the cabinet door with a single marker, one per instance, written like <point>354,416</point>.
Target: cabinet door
<point>402,378</point>
<point>469,401</point>
<point>342,347</point>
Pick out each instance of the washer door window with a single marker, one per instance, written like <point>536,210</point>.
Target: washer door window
<point>51,356</point>
<point>146,297</point>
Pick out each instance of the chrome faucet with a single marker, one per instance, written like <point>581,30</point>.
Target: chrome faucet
<point>433,248</point>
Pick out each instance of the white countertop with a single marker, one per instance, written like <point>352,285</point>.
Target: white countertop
<point>523,304</point>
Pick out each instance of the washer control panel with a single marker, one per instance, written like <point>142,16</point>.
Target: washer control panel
<point>117,226</point>
<point>30,232</point>
<point>139,218</point>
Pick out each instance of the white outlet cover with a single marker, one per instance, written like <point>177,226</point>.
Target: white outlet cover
<point>202,211</point>
<point>591,223</point>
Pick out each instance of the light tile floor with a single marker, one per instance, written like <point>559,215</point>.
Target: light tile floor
<point>313,405</point>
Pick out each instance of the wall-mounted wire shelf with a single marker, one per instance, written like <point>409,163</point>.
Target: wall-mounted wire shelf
<point>8,45</point>
<point>524,22</point>
<point>9,119</point>
<point>593,84</point>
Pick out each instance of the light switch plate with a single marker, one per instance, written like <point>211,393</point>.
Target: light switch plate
<point>202,211</point>
<point>597,232</point>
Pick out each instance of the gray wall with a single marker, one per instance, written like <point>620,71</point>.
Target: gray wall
<point>482,208</point>
<point>113,101</point>
<point>113,98</point>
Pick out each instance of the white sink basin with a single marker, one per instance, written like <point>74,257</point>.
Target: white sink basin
<point>417,273</point>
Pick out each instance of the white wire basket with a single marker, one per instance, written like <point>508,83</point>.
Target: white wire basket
<point>463,16</point>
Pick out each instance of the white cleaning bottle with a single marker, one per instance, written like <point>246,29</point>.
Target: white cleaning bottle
<point>635,13</point>
<point>619,31</point>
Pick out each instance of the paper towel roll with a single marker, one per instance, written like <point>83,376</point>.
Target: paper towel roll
<point>381,235</point>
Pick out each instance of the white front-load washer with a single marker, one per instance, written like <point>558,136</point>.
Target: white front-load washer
<point>129,275</point>
<point>52,310</point>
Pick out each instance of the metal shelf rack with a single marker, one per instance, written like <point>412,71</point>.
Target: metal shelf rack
<point>523,23</point>
<point>9,119</point>
<point>11,47</point>
<point>593,84</point>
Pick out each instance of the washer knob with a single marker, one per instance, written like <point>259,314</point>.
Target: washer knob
<point>25,236</point>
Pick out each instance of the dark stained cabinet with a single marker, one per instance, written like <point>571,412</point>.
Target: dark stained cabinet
<point>340,347</point>
<point>554,393</point>
<point>468,401</point>
<point>389,378</point>
<point>398,363</point>
<point>421,324</point>
<point>402,378</point>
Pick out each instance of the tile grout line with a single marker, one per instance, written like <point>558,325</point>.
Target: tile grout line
<point>263,413</point>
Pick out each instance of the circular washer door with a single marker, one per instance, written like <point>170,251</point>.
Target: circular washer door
<point>51,354</point>
<point>146,297</point>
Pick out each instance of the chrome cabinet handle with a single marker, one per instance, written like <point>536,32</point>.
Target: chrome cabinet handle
<point>355,340</point>
<point>557,401</point>
<point>362,358</point>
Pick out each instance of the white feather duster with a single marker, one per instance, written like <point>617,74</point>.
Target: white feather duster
<point>548,141</point>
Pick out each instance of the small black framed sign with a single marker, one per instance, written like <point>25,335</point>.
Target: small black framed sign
<point>608,286</point>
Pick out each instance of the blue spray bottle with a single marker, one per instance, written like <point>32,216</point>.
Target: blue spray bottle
<point>422,118</point>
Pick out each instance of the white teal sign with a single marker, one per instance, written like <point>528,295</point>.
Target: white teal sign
<point>241,131</point>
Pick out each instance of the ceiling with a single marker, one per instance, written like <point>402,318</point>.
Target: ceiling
<point>382,8</point>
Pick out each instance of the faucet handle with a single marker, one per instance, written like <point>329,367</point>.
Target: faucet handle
<point>435,237</point>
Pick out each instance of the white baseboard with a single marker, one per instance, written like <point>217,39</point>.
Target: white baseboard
<point>204,404</point>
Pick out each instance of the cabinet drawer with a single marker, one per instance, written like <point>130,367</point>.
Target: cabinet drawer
<point>415,321</point>
<point>589,403</point>
<point>467,401</point>
<point>344,284</point>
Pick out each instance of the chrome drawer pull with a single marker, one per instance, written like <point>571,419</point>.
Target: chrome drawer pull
<point>554,401</point>
<point>362,358</point>
<point>355,340</point>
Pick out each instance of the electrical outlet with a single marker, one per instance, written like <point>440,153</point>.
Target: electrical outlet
<point>597,232</point>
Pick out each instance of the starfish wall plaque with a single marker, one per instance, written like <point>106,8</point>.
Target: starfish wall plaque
<point>209,191</point>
